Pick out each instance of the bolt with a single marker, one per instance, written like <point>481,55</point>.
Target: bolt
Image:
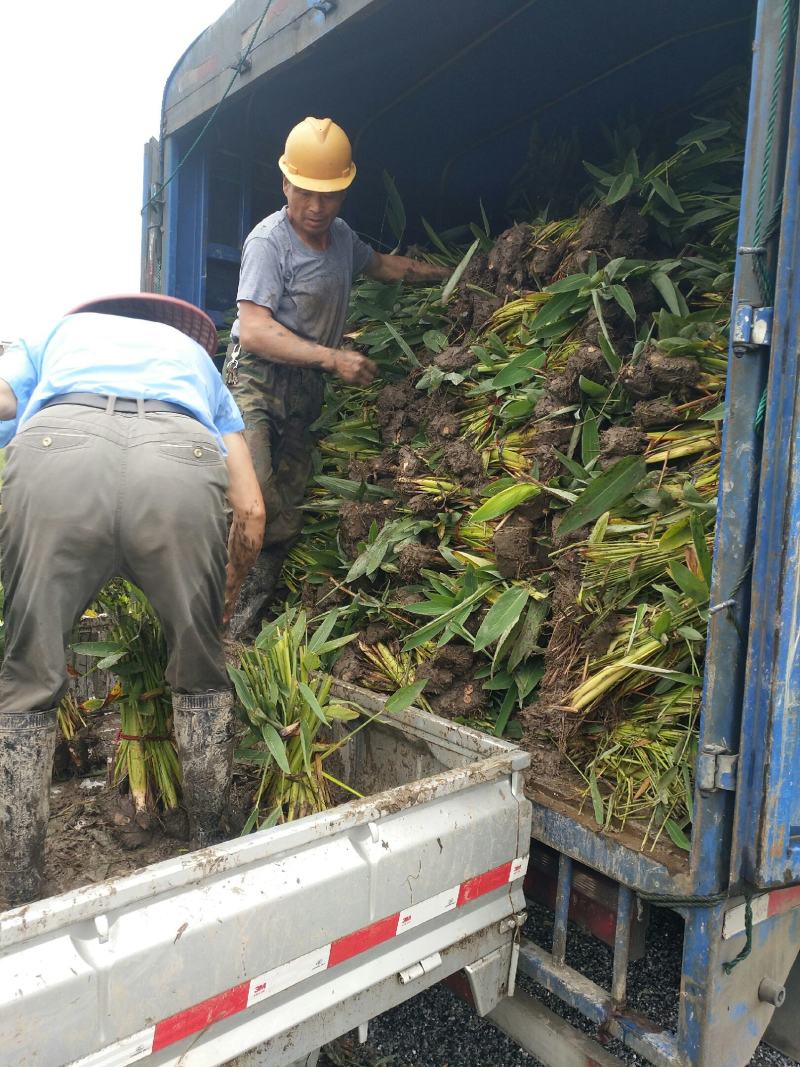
<point>771,993</point>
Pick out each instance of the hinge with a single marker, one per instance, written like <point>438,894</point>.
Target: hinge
<point>752,328</point>
<point>716,770</point>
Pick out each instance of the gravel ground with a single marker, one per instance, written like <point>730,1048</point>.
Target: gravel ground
<point>436,1029</point>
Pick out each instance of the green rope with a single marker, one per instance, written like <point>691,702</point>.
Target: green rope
<point>748,940</point>
<point>709,902</point>
<point>237,72</point>
<point>760,236</point>
<point>761,413</point>
<point>659,900</point>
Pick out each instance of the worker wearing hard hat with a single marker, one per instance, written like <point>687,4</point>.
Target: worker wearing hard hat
<point>124,446</point>
<point>298,266</point>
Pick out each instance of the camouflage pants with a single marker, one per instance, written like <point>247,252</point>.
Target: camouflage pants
<point>279,403</point>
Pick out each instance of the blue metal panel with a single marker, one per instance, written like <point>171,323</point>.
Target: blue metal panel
<point>738,494</point>
<point>185,221</point>
<point>768,811</point>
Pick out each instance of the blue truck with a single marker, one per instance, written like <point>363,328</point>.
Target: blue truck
<point>443,96</point>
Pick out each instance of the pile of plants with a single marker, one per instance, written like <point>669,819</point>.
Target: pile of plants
<point>518,515</point>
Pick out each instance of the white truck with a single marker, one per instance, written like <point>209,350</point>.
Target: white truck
<point>260,950</point>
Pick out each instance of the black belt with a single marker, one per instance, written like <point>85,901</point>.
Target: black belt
<point>125,404</point>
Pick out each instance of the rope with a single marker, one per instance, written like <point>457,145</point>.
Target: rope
<point>748,941</point>
<point>760,236</point>
<point>240,66</point>
<point>658,900</point>
<point>709,902</point>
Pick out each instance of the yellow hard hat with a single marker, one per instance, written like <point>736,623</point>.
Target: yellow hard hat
<point>318,156</point>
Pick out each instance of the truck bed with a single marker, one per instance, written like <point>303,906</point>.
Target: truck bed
<point>291,936</point>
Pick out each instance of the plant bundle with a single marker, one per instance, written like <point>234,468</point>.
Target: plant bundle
<point>146,758</point>
<point>285,695</point>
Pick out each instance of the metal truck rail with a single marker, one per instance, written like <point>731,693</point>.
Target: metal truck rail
<point>269,946</point>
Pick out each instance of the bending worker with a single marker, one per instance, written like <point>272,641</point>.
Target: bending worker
<point>298,266</point>
<point>125,446</point>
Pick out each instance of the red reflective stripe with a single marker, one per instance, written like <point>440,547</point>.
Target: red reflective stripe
<point>783,900</point>
<point>198,1017</point>
<point>361,940</point>
<point>484,883</point>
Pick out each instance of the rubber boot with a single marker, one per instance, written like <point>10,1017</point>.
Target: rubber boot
<point>204,732</point>
<point>256,594</point>
<point>27,746</point>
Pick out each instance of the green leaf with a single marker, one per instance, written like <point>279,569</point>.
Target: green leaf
<point>311,699</point>
<point>593,389</point>
<point>528,638</point>
<point>690,633</point>
<point>667,194</point>
<point>676,535</point>
<point>99,648</point>
<point>602,176</point>
<point>620,188</point>
<point>700,546</point>
<point>556,308</point>
<point>716,414</point>
<point>597,800</point>
<point>662,624</point>
<point>677,835</point>
<point>569,284</point>
<point>109,661</point>
<point>455,277</point>
<point>502,615</point>
<point>574,468</point>
<point>434,237</point>
<point>405,697</point>
<point>431,629</point>
<point>504,714</point>
<point>520,369</point>
<point>505,500</point>
<point>275,744</point>
<point>611,487</point>
<point>242,687</point>
<point>623,298</point>
<point>434,340</point>
<point>403,344</point>
<point>590,438</point>
<point>689,583</point>
<point>395,212</point>
<point>668,290</point>
<point>527,678</point>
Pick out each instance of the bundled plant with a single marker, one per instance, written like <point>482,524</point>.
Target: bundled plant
<point>286,699</point>
<point>146,758</point>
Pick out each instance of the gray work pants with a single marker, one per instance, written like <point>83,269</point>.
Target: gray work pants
<point>88,496</point>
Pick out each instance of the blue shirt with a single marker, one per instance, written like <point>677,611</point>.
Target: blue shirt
<point>117,356</point>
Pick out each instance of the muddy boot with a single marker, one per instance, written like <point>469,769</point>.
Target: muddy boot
<point>204,731</point>
<point>255,596</point>
<point>27,744</point>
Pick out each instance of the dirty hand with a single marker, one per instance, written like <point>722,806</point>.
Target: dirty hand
<point>352,367</point>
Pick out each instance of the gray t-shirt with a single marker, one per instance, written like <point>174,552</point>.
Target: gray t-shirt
<point>307,291</point>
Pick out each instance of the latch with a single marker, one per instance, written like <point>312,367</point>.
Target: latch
<point>752,328</point>
<point>425,966</point>
<point>716,769</point>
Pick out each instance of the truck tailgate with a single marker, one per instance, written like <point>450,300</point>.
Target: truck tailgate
<point>292,935</point>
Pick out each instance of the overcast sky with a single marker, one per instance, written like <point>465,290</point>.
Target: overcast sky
<point>80,94</point>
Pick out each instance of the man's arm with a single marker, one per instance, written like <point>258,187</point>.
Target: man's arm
<point>8,402</point>
<point>247,527</point>
<point>404,269</point>
<point>262,334</point>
